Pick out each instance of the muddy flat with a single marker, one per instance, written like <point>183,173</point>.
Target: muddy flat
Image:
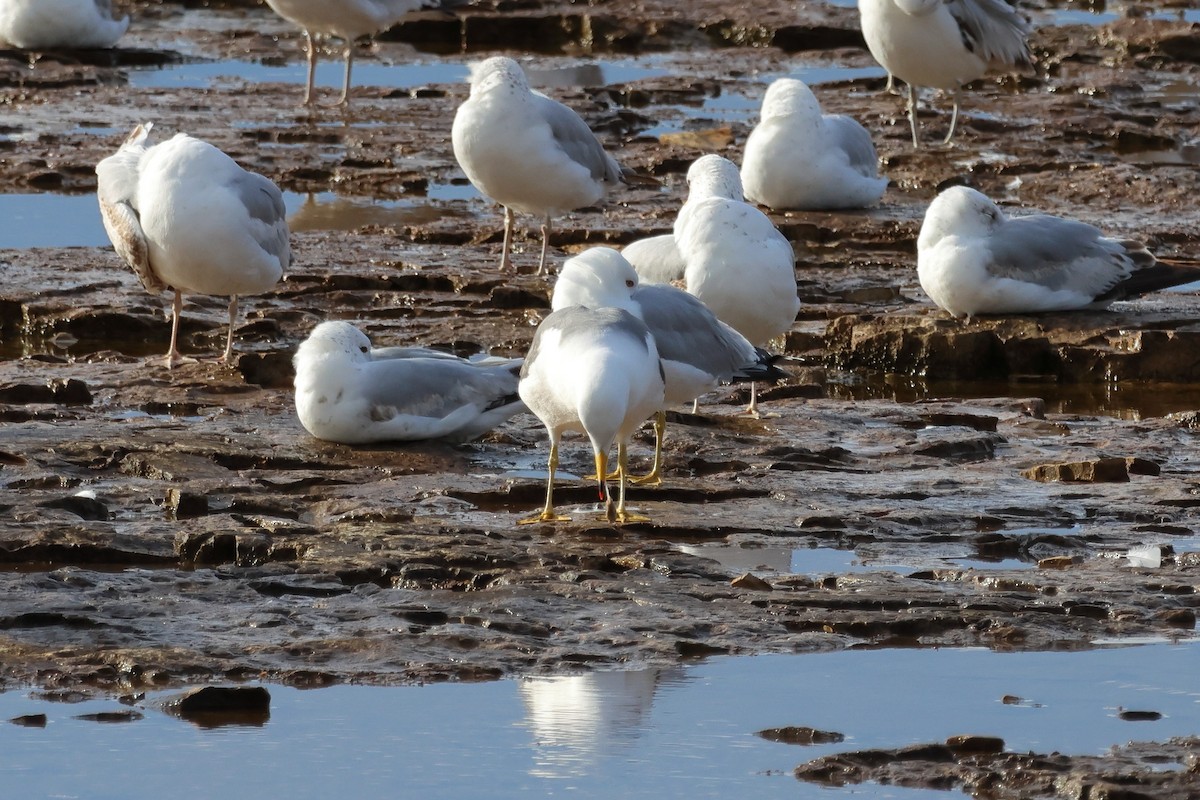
<point>920,481</point>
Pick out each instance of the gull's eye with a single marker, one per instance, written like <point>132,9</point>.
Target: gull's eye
<point>364,348</point>
<point>630,283</point>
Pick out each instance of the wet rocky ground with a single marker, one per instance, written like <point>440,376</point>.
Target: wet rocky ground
<point>165,528</point>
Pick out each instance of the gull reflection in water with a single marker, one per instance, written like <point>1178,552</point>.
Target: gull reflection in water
<point>579,720</point>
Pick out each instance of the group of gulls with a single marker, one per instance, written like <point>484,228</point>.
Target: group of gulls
<point>622,342</point>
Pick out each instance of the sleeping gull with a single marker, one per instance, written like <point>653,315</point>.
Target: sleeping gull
<point>798,158</point>
<point>50,24</point>
<point>697,350</point>
<point>595,371</point>
<point>347,20</point>
<point>349,392</point>
<point>738,264</point>
<point>655,258</point>
<point>943,44</point>
<point>527,152</point>
<point>186,217</point>
<point>972,259</point>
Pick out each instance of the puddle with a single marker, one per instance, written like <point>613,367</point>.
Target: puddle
<point>1126,400</point>
<point>76,217</point>
<point>226,74</point>
<point>330,212</point>
<point>642,734</point>
<point>734,107</point>
<point>815,562</point>
<point>50,220</point>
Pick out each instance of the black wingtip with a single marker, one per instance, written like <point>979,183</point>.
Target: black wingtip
<point>1161,274</point>
<point>763,370</point>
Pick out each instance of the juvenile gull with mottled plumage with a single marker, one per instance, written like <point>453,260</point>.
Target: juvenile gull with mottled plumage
<point>187,218</point>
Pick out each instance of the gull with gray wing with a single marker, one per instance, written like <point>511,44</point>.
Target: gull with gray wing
<point>188,218</point>
<point>351,393</point>
<point>697,350</point>
<point>973,259</point>
<point>595,371</point>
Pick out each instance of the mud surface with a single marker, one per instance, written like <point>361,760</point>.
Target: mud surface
<point>224,543</point>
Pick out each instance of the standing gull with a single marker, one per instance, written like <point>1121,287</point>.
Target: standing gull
<point>972,259</point>
<point>595,371</point>
<point>798,158</point>
<point>186,217</point>
<point>347,20</point>
<point>527,152</point>
<point>349,392</point>
<point>738,264</point>
<point>698,351</point>
<point>50,24</point>
<point>943,44</point>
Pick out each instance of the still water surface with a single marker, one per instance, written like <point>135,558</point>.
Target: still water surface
<point>682,732</point>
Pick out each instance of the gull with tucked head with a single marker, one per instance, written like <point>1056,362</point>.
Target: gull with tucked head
<point>352,393</point>
<point>738,264</point>
<point>527,152</point>
<point>187,218</point>
<point>54,24</point>
<point>973,259</point>
<point>798,158</point>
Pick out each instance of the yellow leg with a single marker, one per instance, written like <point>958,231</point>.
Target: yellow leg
<point>654,477</point>
<point>622,514</point>
<point>547,513</point>
<point>346,80</point>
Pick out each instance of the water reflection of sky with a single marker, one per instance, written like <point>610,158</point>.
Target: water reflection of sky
<point>687,732</point>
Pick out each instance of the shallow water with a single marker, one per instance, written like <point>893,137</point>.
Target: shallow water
<point>685,732</point>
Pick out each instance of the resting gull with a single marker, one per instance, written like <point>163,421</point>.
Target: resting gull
<point>972,259</point>
<point>51,24</point>
<point>738,263</point>
<point>349,392</point>
<point>798,158</point>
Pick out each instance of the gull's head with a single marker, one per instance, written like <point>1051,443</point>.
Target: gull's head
<point>497,72</point>
<point>714,176</point>
<point>960,211</point>
<point>597,278</point>
<point>334,339</point>
<point>788,97</point>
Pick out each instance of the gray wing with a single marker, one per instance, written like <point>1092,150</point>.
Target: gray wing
<point>264,204</point>
<point>434,387</point>
<point>656,259</point>
<point>576,139</point>
<point>1057,253</point>
<point>855,140</point>
<point>385,353</point>
<point>686,331</point>
<point>992,29</point>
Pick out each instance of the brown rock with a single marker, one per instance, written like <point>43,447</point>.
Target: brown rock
<point>801,735</point>
<point>1103,470</point>
<point>752,582</point>
<point>969,744</point>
